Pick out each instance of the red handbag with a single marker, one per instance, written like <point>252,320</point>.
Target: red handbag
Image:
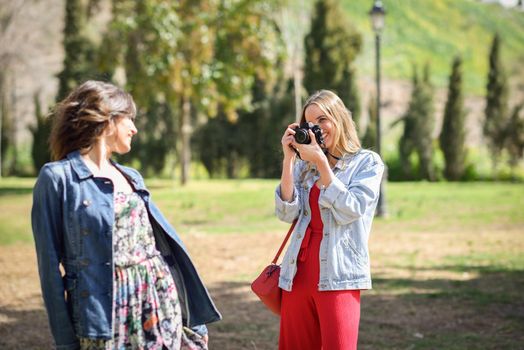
<point>265,286</point>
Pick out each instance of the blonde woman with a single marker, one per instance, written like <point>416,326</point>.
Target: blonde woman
<point>331,189</point>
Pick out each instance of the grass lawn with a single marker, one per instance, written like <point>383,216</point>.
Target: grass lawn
<point>447,264</point>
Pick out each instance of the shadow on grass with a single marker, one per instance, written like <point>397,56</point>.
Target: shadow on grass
<point>24,329</point>
<point>484,312</point>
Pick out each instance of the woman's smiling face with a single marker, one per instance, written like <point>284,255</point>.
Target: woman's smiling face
<point>123,131</point>
<point>313,114</point>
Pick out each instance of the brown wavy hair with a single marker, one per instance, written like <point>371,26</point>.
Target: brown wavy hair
<point>81,118</point>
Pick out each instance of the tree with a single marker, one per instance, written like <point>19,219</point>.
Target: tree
<point>78,65</point>
<point>515,136</point>
<point>370,137</point>
<point>452,135</point>
<point>79,50</point>
<point>330,48</point>
<point>10,37</point>
<point>262,128</point>
<point>201,65</point>
<point>418,128</point>
<point>293,22</point>
<point>424,113</point>
<point>496,103</point>
<point>41,131</point>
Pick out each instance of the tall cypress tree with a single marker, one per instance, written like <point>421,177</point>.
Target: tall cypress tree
<point>79,50</point>
<point>406,141</point>
<point>330,48</point>
<point>40,132</point>
<point>452,135</point>
<point>418,128</point>
<point>496,102</point>
<point>425,117</point>
<point>515,136</point>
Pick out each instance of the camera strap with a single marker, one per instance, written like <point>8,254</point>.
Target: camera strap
<point>326,152</point>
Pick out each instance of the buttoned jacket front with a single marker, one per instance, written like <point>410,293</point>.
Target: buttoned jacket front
<point>347,207</point>
<point>72,220</point>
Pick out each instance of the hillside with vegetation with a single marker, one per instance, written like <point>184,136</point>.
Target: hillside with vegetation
<point>417,32</point>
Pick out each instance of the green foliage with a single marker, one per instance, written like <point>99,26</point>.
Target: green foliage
<point>79,50</point>
<point>330,48</point>
<point>418,127</point>
<point>42,129</point>
<point>196,58</point>
<point>262,129</point>
<point>254,138</point>
<point>452,135</point>
<point>5,124</point>
<point>420,31</point>
<point>78,66</point>
<point>217,145</point>
<point>370,138</point>
<point>247,206</point>
<point>515,135</point>
<point>496,102</point>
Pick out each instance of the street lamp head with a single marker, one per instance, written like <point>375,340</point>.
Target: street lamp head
<point>377,14</point>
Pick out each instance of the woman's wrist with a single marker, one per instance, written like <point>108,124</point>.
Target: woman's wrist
<point>326,174</point>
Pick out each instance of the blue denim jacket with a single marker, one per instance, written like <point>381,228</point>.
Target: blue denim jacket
<point>72,220</point>
<point>347,207</point>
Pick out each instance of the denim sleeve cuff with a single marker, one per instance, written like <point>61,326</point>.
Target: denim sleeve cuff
<point>200,330</point>
<point>329,195</point>
<point>71,346</point>
<point>283,206</point>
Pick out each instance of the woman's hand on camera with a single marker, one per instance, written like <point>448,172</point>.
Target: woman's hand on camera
<point>287,142</point>
<point>309,152</point>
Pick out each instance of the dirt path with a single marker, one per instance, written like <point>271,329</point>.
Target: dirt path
<point>415,303</point>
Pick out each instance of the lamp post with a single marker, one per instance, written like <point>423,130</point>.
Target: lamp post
<point>377,14</point>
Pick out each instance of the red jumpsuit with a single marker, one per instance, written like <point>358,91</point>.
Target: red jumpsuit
<point>310,319</point>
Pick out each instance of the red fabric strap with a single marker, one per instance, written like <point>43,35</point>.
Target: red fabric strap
<point>284,243</point>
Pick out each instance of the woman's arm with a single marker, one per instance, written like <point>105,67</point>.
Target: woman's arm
<point>288,210</point>
<point>46,220</point>
<point>349,202</point>
<point>286,194</point>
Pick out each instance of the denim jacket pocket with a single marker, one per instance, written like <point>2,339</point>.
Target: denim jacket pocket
<point>347,243</point>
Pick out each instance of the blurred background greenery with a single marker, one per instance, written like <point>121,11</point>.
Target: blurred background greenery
<point>216,81</point>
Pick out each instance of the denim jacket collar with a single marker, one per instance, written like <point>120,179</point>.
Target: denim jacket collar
<point>343,162</point>
<point>83,172</point>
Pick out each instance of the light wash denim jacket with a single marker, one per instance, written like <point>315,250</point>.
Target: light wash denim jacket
<point>72,219</point>
<point>347,207</point>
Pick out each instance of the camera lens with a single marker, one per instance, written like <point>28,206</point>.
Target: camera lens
<point>302,136</point>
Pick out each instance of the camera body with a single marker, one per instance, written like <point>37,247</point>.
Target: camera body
<point>302,134</point>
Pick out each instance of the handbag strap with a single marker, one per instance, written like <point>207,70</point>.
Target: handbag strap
<point>284,243</point>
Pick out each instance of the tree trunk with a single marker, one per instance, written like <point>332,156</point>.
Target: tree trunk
<point>297,87</point>
<point>185,151</point>
<point>13,168</point>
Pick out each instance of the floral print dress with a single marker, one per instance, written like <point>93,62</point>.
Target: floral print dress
<point>146,309</point>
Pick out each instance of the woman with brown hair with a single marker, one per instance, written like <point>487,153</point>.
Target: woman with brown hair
<point>332,192</point>
<point>114,273</point>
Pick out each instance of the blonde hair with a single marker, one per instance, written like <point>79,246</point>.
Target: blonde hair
<point>345,138</point>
